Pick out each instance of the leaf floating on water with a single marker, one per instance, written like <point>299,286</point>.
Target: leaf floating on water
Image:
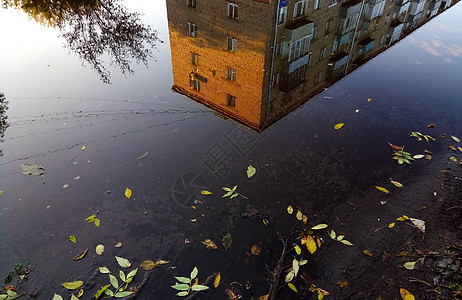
<point>256,249</point>
<point>342,283</point>
<point>251,171</point>
<point>452,147</point>
<point>410,265</point>
<point>304,219</point>
<point>31,168</point>
<point>216,282</point>
<point>123,262</point>
<point>118,245</point>
<point>73,285</point>
<point>319,226</point>
<point>338,126</point>
<point>72,239</point>
<point>299,215</point>
<point>452,158</point>
<point>226,241</point>
<point>290,209</point>
<point>432,125</point>
<point>57,297</point>
<point>418,223</point>
<point>382,189</point>
<point>204,192</point>
<point>143,155</point>
<point>99,249</point>
<point>391,225</point>
<point>368,253</point>
<point>1,192</point>
<point>101,291</point>
<point>298,250</point>
<point>369,100</point>
<point>210,244</point>
<point>230,294</point>
<point>79,293</point>
<point>128,193</point>
<point>418,156</point>
<point>97,222</point>
<point>332,234</point>
<point>148,265</point>
<point>104,270</point>
<point>357,111</point>
<point>406,295</point>
<point>81,255</point>
<point>310,243</point>
<point>399,148</point>
<point>65,186</point>
<point>290,276</point>
<point>346,242</point>
<point>455,139</point>
<point>396,183</point>
<point>292,287</point>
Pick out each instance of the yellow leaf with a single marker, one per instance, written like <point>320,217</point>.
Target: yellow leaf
<point>382,189</point>
<point>266,222</point>
<point>348,243</point>
<point>391,225</point>
<point>339,125</point>
<point>357,111</point>
<point>100,249</point>
<point>369,100</point>
<point>210,244</point>
<point>318,242</point>
<point>292,287</point>
<point>256,249</point>
<point>460,149</point>
<point>81,255</point>
<point>319,226</point>
<point>299,215</point>
<point>83,148</point>
<point>290,276</point>
<point>396,183</point>
<point>204,192</point>
<point>123,262</point>
<point>263,297</point>
<point>216,282</point>
<point>310,244</point>
<point>369,253</point>
<point>406,295</point>
<point>298,249</point>
<point>304,219</point>
<point>73,285</point>
<point>410,265</point>
<point>342,283</point>
<point>290,209</point>
<point>128,193</point>
<point>148,265</point>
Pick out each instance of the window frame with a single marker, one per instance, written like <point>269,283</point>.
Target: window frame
<point>230,101</point>
<point>231,74</point>
<point>282,9</point>
<point>191,3</point>
<point>299,48</point>
<point>192,29</point>
<point>194,58</point>
<point>231,43</point>
<point>233,11</point>
<point>300,8</point>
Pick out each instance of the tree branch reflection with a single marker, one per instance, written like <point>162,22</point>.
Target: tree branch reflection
<point>96,30</point>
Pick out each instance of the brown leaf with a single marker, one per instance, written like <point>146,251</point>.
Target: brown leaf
<point>399,148</point>
<point>385,256</point>
<point>256,249</point>
<point>304,219</point>
<point>342,283</point>
<point>133,289</point>
<point>10,288</point>
<point>368,253</point>
<point>429,157</point>
<point>143,155</point>
<point>210,244</point>
<point>81,255</point>
<point>452,147</point>
<point>404,254</point>
<point>231,295</point>
<point>427,152</point>
<point>432,125</point>
<point>443,135</point>
<point>263,297</point>
<point>148,265</point>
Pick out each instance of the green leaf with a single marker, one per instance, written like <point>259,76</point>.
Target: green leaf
<point>72,239</point>
<point>346,242</point>
<point>5,296</point>
<point>290,276</point>
<point>410,265</point>
<point>81,255</point>
<point>234,188</point>
<point>234,196</point>
<point>99,249</point>
<point>319,226</point>
<point>73,297</point>
<point>295,266</point>
<point>132,273</point>
<point>73,285</point>
<point>104,270</point>
<point>109,293</point>
<point>183,293</point>
<point>199,287</point>
<point>90,218</point>
<point>340,238</point>
<point>57,297</point>
<point>183,279</point>
<point>1,192</point>
<point>123,262</point>
<point>194,273</point>
<point>228,194</point>
<point>455,139</point>
<point>332,234</point>
<point>113,281</point>
<point>251,171</point>
<point>226,189</point>
<point>101,291</point>
<point>226,241</point>
<point>122,275</point>
<point>123,294</point>
<point>181,287</point>
<point>11,294</point>
<point>97,222</point>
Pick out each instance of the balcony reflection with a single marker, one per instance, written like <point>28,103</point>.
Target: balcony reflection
<point>256,61</point>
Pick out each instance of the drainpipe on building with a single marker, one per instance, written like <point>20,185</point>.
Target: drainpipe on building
<point>354,37</point>
<point>268,106</point>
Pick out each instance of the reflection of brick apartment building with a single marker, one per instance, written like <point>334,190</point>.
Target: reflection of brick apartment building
<point>255,61</point>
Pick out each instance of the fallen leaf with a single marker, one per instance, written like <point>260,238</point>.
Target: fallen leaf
<point>432,125</point>
<point>391,225</point>
<point>452,147</point>
<point>310,243</point>
<point>143,155</point>
<point>443,135</point>
<point>298,250</point>
<point>263,297</point>
<point>73,285</point>
<point>216,282</point>
<point>104,270</point>
<point>410,265</point>
<point>97,222</point>
<point>292,287</point>
<point>81,255</point>
<point>57,297</point>
<point>226,241</point>
<point>304,219</point>
<point>65,186</point>
<point>128,193</point>
<point>251,171</point>
<point>418,156</point>
<point>399,148</point>
<point>101,291</point>
<point>452,158</point>
<point>1,192</point>
<point>357,111</point>
<point>83,148</point>
<point>9,288</point>
<point>77,178</point>
<point>319,226</point>
<point>368,253</point>
<point>338,126</point>
<point>419,224</point>
<point>99,249</point>
<point>428,156</point>
<point>290,276</point>
<point>348,243</point>
<point>396,183</point>
<point>123,262</point>
<point>210,244</point>
<point>118,245</point>
<point>72,239</point>
<point>148,265</point>
<point>369,100</point>
<point>382,189</point>
<point>231,295</point>
<point>204,192</point>
<point>455,139</point>
<point>460,148</point>
<point>299,215</point>
<point>256,249</point>
<point>290,209</point>
<point>406,295</point>
<point>79,293</point>
<point>265,221</point>
<point>342,283</point>
<point>332,234</point>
